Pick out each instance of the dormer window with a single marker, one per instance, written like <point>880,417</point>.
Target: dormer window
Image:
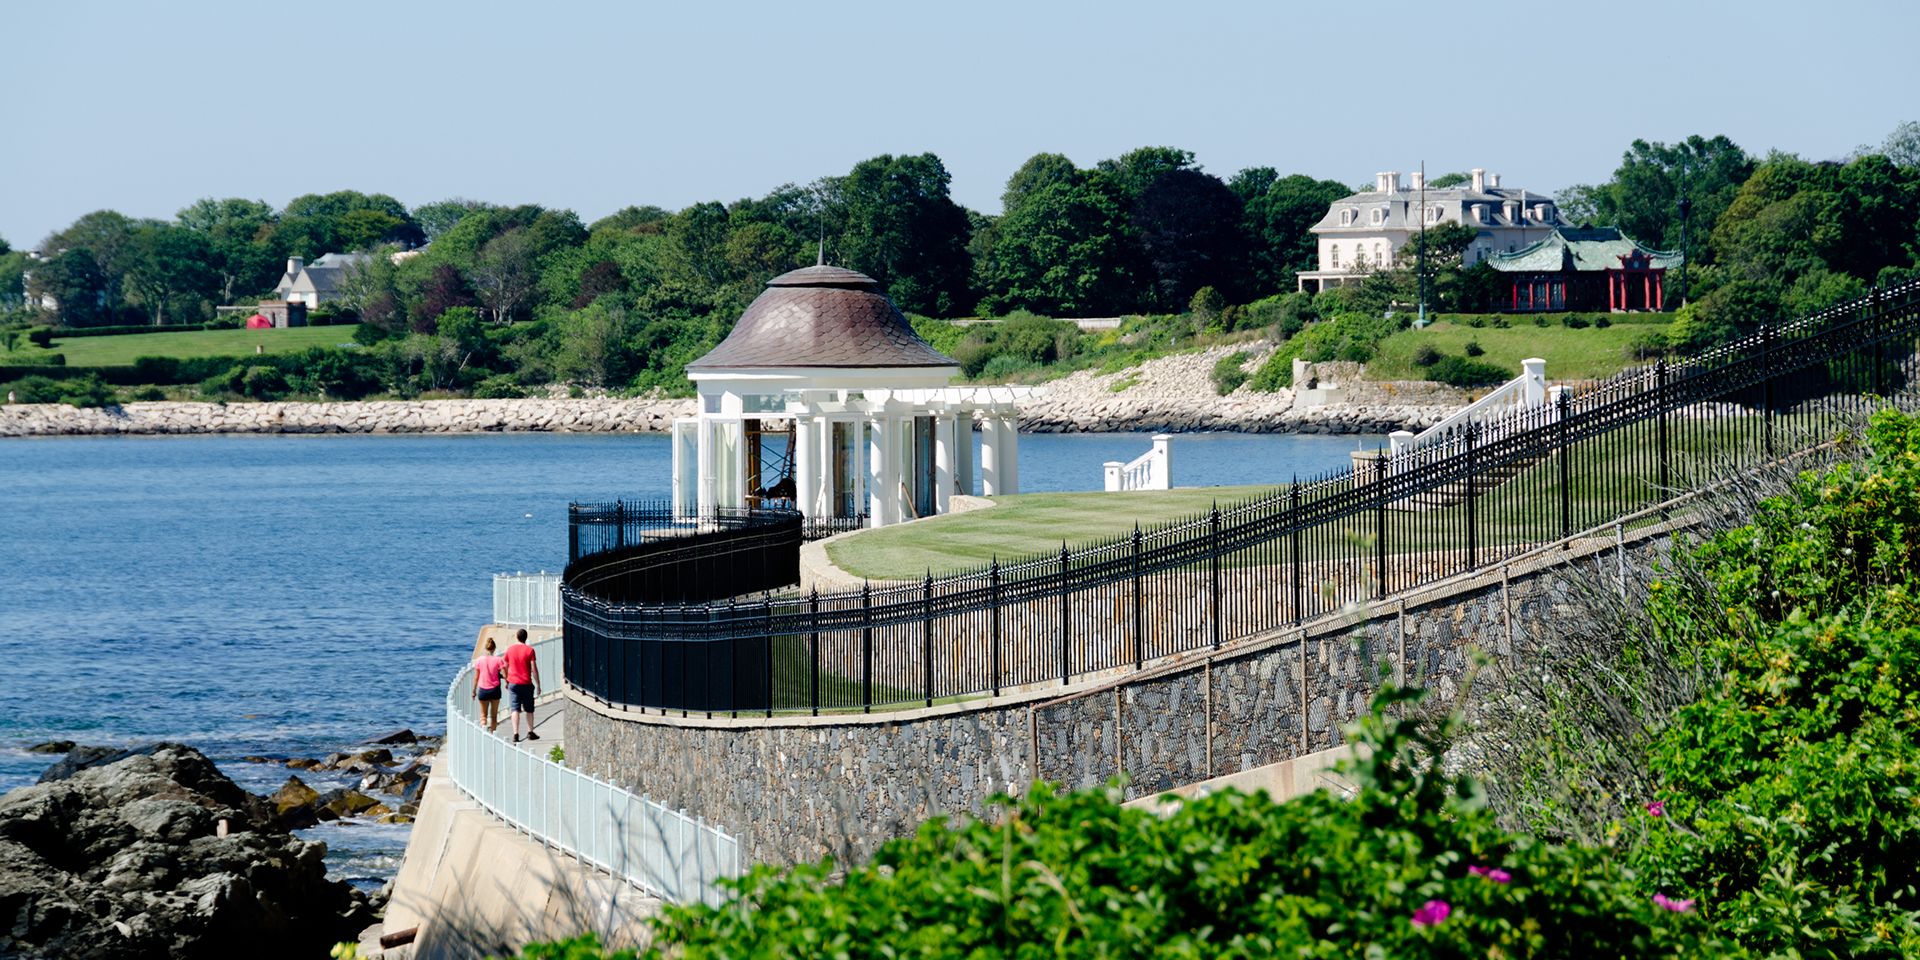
<point>1347,217</point>
<point>1379,216</point>
<point>1433,213</point>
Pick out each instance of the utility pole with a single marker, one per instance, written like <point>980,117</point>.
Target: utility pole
<point>1420,264</point>
<point>1686,205</point>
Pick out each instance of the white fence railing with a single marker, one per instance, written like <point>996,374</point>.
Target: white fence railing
<point>663,851</point>
<point>526,599</point>
<point>1152,470</point>
<point>1524,392</point>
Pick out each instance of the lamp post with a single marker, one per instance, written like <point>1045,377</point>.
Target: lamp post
<point>1686,206</point>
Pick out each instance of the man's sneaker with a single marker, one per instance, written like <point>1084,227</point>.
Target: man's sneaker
<point>532,736</point>
<point>516,738</point>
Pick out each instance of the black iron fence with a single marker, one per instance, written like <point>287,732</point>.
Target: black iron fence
<point>1601,454</point>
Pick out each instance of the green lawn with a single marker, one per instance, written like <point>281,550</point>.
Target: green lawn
<point>1583,354</point>
<point>1018,526</point>
<point>125,348</point>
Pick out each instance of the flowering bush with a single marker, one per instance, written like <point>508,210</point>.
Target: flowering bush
<point>1788,802</point>
<point>1411,866</point>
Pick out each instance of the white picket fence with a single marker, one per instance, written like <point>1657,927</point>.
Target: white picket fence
<point>663,851</point>
<point>526,599</point>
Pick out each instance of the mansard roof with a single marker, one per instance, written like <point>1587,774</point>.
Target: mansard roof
<point>822,316</point>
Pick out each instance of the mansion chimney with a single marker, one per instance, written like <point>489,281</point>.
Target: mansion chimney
<point>1479,180</point>
<point>1393,181</point>
<point>294,265</point>
<point>1419,180</point>
<point>1493,180</point>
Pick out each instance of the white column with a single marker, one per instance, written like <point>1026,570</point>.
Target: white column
<point>703,443</point>
<point>1010,454</point>
<point>963,453</point>
<point>1112,470</point>
<point>1162,462</point>
<point>858,464</point>
<point>806,466</point>
<point>990,455</point>
<point>881,508</point>
<point>944,457</point>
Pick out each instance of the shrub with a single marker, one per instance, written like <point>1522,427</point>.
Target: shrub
<point>1229,372</point>
<point>1427,355</point>
<point>1539,320</point>
<point>40,336</point>
<point>498,387</point>
<point>1348,336</point>
<point>1206,307</point>
<point>33,390</point>
<point>1474,349</point>
<point>1602,322</point>
<point>1647,345</point>
<point>1462,372</point>
<point>1573,321</point>
<point>1285,315</point>
<point>1229,874</point>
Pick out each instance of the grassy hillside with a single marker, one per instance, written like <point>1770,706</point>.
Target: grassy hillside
<point>1577,354</point>
<point>125,348</point>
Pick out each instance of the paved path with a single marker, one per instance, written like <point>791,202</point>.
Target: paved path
<point>549,721</point>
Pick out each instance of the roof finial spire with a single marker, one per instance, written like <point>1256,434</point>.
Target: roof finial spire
<point>822,261</point>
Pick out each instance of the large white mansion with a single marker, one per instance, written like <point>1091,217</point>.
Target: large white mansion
<point>1365,231</point>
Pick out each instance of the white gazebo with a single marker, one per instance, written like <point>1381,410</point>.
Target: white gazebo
<point>824,398</point>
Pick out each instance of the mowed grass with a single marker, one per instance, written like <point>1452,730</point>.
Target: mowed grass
<point>1588,353</point>
<point>1016,527</point>
<point>125,348</point>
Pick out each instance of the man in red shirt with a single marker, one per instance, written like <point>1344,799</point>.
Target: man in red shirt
<point>523,681</point>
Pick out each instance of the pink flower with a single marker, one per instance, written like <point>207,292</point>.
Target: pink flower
<point>1658,808</point>
<point>1495,874</point>
<point>1665,902</point>
<point>1431,913</point>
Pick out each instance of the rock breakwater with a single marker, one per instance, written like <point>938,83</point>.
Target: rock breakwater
<point>154,853</point>
<point>595,415</point>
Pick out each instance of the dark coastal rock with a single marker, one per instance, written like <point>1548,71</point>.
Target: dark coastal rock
<point>303,763</point>
<point>338,804</point>
<point>123,857</point>
<point>394,739</point>
<point>51,746</point>
<point>293,804</point>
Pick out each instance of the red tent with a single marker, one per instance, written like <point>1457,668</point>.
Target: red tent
<point>259,322</point>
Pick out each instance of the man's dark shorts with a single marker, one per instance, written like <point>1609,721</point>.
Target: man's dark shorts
<point>522,694</point>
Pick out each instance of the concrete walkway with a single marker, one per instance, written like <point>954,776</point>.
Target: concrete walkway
<point>549,721</point>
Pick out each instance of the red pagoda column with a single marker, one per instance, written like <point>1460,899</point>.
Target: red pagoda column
<point>1659,290</point>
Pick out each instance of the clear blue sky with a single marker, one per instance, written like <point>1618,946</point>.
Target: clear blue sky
<point>145,107</point>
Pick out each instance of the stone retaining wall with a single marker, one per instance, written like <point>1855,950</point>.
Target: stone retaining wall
<point>797,788</point>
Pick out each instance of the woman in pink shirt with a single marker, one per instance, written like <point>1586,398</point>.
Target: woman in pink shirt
<point>487,669</point>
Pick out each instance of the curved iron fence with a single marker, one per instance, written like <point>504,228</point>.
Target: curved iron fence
<point>1599,453</point>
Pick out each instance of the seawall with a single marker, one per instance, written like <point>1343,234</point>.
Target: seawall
<point>601,415</point>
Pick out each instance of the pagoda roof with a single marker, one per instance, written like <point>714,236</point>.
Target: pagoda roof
<point>1579,250</point>
<point>822,316</point>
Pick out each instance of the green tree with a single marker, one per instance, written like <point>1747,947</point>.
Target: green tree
<point>14,267</point>
<point>1447,180</point>
<point>895,222</point>
<point>1279,219</point>
<point>108,236</point>
<point>504,274</point>
<point>1065,251</point>
<point>74,281</point>
<point>170,268</point>
<point>1643,197</point>
<point>243,251</point>
<point>1189,227</point>
<point>440,216</point>
<point>1040,170</point>
<point>1136,170</point>
<point>345,221</point>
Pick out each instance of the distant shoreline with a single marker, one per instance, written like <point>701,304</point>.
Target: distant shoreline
<point>1060,414</point>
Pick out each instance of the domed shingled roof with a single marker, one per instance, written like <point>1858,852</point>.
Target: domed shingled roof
<point>822,316</point>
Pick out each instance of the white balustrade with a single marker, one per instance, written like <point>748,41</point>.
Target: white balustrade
<point>1152,470</point>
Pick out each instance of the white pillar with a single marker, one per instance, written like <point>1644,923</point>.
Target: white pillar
<point>806,468</point>
<point>1113,468</point>
<point>944,458</point>
<point>1535,370</point>
<point>878,463</point>
<point>703,444</point>
<point>963,453</point>
<point>1162,462</point>
<point>990,455</point>
<point>858,464</point>
<point>1010,454</point>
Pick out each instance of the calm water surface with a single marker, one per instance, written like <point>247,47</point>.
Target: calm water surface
<point>290,596</point>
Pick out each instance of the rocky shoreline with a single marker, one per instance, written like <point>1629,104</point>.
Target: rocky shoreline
<point>1171,394</point>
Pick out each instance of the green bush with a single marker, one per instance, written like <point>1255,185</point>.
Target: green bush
<point>1347,336</point>
<point>1789,788</point>
<point>1427,355</point>
<point>1462,372</point>
<point>40,336</point>
<point>1228,875</point>
<point>1474,349</point>
<point>1284,315</point>
<point>498,387</point>
<point>1229,372</point>
<point>1573,321</point>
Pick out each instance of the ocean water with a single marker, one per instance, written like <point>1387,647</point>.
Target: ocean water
<point>293,596</point>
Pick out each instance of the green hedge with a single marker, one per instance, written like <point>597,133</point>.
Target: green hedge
<point>115,331</point>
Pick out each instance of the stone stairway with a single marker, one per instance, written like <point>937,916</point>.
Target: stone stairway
<point>1451,494</point>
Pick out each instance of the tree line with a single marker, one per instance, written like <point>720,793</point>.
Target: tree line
<point>525,295</point>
